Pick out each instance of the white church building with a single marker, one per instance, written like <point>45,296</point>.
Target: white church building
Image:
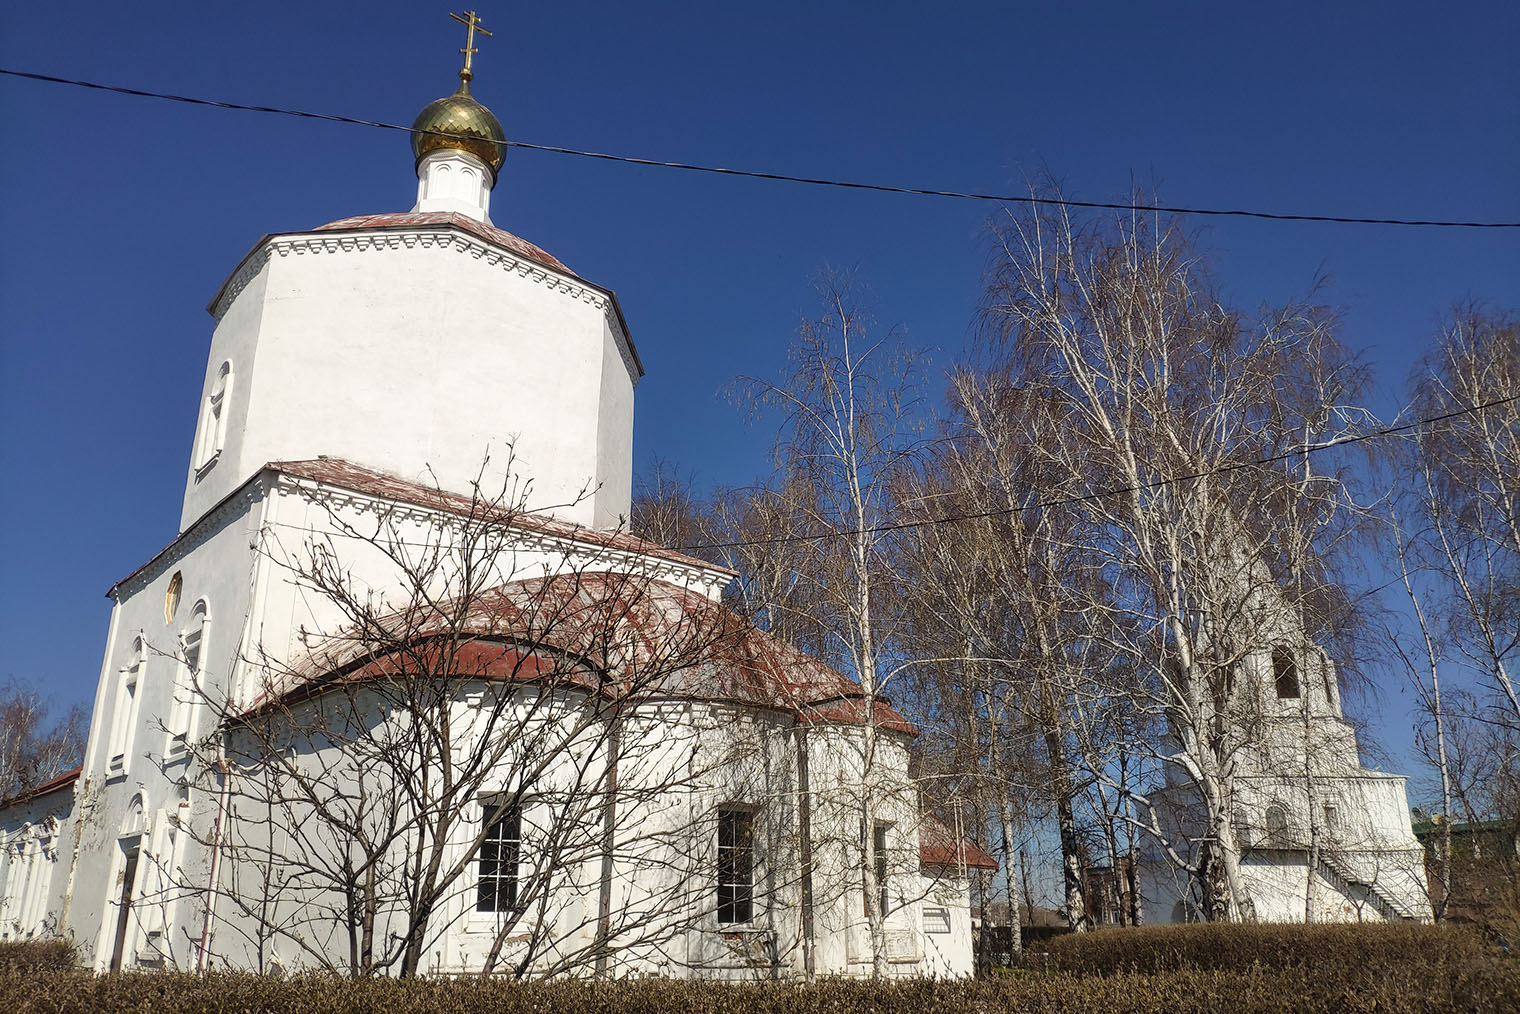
<point>403,697</point>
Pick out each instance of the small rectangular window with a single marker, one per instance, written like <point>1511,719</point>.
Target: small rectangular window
<point>736,866</point>
<point>497,862</point>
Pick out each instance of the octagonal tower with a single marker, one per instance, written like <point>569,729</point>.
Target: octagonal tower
<point>428,344</point>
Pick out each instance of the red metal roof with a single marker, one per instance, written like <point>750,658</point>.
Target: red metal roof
<point>489,233</point>
<point>937,846</point>
<point>616,634</point>
<point>63,781</point>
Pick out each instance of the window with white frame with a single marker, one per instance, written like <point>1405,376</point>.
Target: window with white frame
<point>191,647</point>
<point>213,425</point>
<point>736,865</point>
<point>936,920</point>
<point>500,850</point>
<point>124,714</point>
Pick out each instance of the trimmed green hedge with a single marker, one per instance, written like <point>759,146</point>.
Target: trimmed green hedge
<point>1240,970</point>
<point>1352,951</point>
<point>1494,988</point>
<point>16,955</point>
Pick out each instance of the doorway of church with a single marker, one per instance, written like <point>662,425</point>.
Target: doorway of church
<point>131,847</point>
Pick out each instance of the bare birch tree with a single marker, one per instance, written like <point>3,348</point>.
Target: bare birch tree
<point>1424,663</point>
<point>32,749</point>
<point>1176,411</point>
<point>850,420</point>
<point>1014,589</point>
<point>1468,474</point>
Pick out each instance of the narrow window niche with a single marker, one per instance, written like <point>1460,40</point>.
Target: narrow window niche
<point>189,684</point>
<point>879,842</point>
<point>1277,826</point>
<point>124,712</point>
<point>212,432</point>
<point>736,866</point>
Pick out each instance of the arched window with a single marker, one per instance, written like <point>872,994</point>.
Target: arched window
<point>213,425</point>
<point>124,714</point>
<point>1277,826</point>
<point>1285,673</point>
<point>189,686</point>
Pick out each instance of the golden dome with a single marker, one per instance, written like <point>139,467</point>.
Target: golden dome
<point>474,128</point>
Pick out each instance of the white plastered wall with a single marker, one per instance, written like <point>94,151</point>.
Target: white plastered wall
<point>217,567</point>
<point>418,353</point>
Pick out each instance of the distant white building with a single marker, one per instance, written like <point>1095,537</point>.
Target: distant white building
<point>1322,838</point>
<point>358,377</point>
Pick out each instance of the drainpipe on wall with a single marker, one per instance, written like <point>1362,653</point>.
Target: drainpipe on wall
<point>216,855</point>
<point>805,850</point>
<point>609,828</point>
<point>76,826</point>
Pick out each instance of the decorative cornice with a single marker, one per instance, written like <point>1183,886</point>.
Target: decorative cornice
<point>235,503</point>
<point>244,273</point>
<point>426,237</point>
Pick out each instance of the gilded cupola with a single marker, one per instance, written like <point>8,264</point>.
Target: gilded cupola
<point>457,122</point>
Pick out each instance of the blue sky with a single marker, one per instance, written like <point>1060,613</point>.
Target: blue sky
<point>123,215</point>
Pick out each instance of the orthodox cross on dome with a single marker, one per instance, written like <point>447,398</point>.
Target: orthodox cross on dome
<point>471,21</point>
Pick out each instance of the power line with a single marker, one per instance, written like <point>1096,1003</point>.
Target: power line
<point>778,177</point>
<point>1089,497</point>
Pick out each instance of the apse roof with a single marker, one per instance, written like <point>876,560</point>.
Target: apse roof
<point>621,635</point>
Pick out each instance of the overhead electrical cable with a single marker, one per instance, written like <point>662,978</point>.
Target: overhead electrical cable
<point>780,177</point>
<point>898,526</point>
<point>947,519</point>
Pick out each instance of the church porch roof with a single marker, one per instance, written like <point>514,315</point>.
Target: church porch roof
<point>63,781</point>
<point>938,846</point>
